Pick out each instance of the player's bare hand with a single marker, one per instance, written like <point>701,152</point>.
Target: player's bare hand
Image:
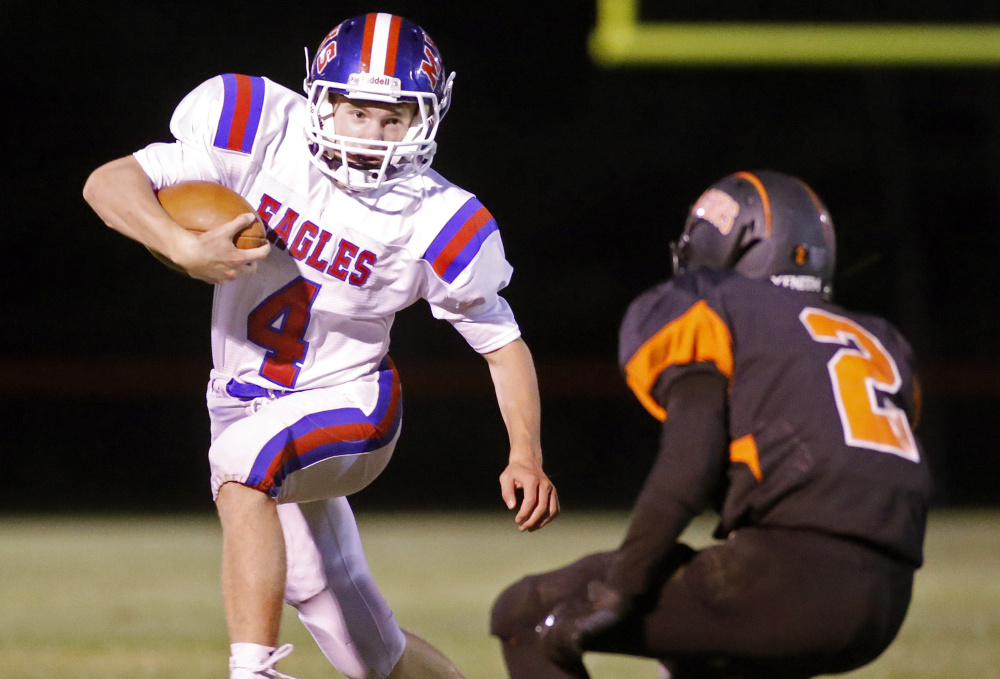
<point>212,257</point>
<point>539,499</point>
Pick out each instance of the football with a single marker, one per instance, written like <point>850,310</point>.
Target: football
<point>200,206</point>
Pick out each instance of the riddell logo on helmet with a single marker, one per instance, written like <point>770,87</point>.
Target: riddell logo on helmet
<point>376,82</point>
<point>717,208</point>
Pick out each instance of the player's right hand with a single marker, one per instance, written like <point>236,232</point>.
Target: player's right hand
<point>569,628</point>
<point>212,257</point>
<point>607,608</point>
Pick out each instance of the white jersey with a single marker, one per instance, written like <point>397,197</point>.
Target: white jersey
<point>319,309</point>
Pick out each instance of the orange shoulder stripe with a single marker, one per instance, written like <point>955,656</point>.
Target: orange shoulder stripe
<point>698,336</point>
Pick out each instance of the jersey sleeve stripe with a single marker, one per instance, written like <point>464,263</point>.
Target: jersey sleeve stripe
<point>460,240</point>
<point>697,336</point>
<point>465,245</point>
<point>331,433</point>
<point>242,105</point>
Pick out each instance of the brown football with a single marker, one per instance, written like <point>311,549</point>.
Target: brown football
<point>200,206</point>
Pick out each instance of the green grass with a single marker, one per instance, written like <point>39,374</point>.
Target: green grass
<point>110,598</point>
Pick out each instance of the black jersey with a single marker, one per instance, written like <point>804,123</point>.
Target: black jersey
<point>821,404</point>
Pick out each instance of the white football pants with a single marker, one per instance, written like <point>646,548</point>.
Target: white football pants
<point>308,450</point>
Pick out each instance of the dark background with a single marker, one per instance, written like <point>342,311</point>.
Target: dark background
<point>589,171</point>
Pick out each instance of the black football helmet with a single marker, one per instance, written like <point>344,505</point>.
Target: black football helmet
<point>764,224</point>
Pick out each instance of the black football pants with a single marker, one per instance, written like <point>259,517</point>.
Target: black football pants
<point>767,603</point>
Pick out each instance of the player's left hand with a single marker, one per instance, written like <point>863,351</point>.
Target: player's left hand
<point>539,499</point>
<point>212,257</point>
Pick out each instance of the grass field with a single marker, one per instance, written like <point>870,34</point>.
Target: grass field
<point>116,598</point>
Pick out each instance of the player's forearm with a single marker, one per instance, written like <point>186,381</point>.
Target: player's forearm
<point>655,524</point>
<point>516,384</point>
<point>122,196</point>
<point>680,484</point>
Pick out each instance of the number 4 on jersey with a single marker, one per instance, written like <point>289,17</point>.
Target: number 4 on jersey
<point>278,324</point>
<point>858,372</point>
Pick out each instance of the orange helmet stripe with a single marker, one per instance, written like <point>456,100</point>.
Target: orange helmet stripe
<point>366,46</point>
<point>390,55</point>
<point>765,200</point>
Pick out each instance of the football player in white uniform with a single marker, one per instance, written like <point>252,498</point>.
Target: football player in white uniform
<point>304,401</point>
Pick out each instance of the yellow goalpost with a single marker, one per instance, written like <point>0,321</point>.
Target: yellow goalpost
<point>620,38</point>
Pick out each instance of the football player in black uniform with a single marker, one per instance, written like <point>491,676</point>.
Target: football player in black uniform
<point>790,415</point>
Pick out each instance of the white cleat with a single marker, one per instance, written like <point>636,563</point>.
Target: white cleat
<point>264,670</point>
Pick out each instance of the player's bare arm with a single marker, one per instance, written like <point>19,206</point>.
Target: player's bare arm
<point>122,195</point>
<point>513,373</point>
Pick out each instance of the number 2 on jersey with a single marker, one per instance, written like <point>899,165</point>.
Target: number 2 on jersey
<point>859,372</point>
<point>278,324</point>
